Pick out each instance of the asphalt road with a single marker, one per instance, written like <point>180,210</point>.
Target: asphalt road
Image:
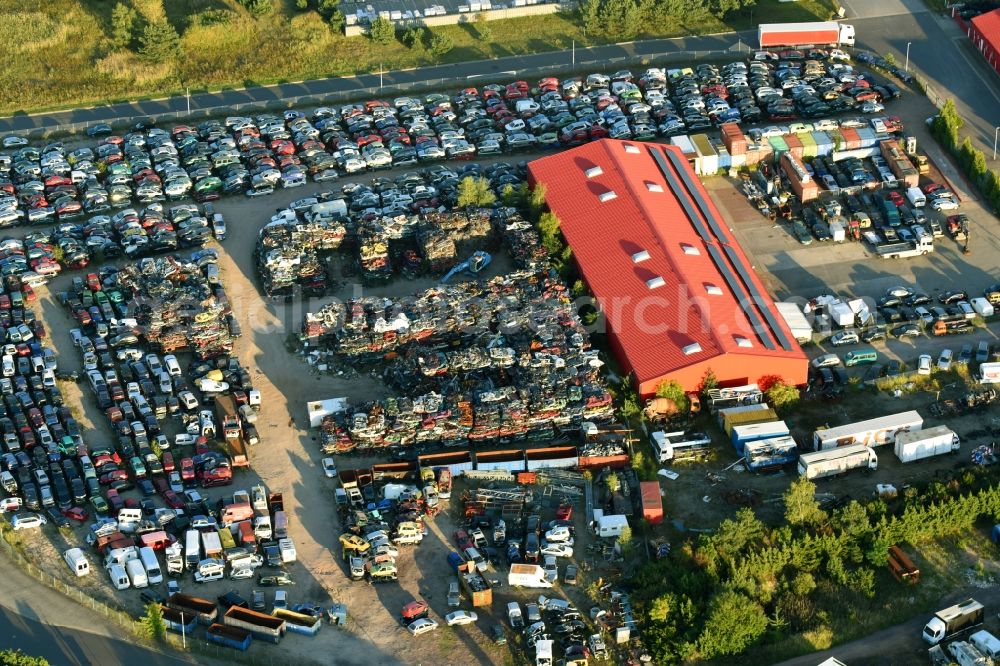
<point>882,25</point>
<point>41,622</point>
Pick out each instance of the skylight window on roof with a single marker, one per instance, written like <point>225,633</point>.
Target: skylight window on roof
<point>629,148</point>
<point>607,196</point>
<point>594,171</point>
<point>690,249</point>
<point>742,342</point>
<point>713,290</point>
<point>654,187</point>
<point>692,348</point>
<point>655,282</point>
<point>640,256</point>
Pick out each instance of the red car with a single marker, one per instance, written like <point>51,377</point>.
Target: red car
<point>168,461</point>
<point>115,500</point>
<point>187,470</point>
<point>463,540</point>
<point>173,500</point>
<point>76,513</point>
<point>110,477</point>
<point>896,198</point>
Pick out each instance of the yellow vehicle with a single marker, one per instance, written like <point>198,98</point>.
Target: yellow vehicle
<point>353,544</point>
<point>226,537</point>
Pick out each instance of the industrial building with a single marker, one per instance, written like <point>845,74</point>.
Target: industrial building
<point>678,295</point>
<point>984,31</point>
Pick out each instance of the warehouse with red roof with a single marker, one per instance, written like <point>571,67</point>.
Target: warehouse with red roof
<point>984,31</point>
<point>678,295</point>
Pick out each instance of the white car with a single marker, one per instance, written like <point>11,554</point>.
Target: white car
<point>239,573</point>
<point>559,534</point>
<point>844,338</point>
<point>216,574</point>
<point>10,504</point>
<point>422,626</point>
<point>329,468</point>
<point>176,484</point>
<point>206,385</point>
<point>551,569</point>
<point>944,204</point>
<point>871,106</point>
<point>944,360</point>
<point>24,522</point>
<point>825,361</point>
<point>460,617</point>
<point>173,367</point>
<point>924,364</point>
<point>557,550</point>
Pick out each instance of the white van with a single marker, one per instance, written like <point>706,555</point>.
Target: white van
<point>136,574</point>
<point>118,577</point>
<point>77,561</point>
<point>120,555</point>
<point>986,643</point>
<point>149,562</point>
<point>192,548</point>
<point>916,197</point>
<point>129,519</point>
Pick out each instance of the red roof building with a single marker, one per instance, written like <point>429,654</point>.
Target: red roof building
<point>678,295</point>
<point>984,31</point>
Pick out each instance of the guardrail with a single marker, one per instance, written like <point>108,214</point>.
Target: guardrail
<point>198,112</point>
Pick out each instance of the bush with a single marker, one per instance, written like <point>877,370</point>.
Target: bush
<point>382,31</point>
<point>258,8</point>
<point>414,38</point>
<point>441,45</point>
<point>780,395</point>
<point>674,391</point>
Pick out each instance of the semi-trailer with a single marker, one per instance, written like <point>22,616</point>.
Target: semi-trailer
<point>821,464</point>
<point>920,444</point>
<point>798,35</point>
<point>873,432</point>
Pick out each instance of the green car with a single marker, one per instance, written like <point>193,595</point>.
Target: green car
<point>801,232</point>
<point>210,184</point>
<point>138,468</point>
<point>67,446</point>
<point>99,504</point>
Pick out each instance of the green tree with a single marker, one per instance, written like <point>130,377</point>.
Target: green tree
<point>803,584</point>
<point>152,625</point>
<point>382,30</point>
<point>890,59</point>
<point>801,507</point>
<point>735,534</point>
<point>536,201</point>
<point>159,42</point>
<point>258,8</point>
<point>483,30</point>
<point>475,193</point>
<point>620,19</point>
<point>123,20</point>
<point>612,483</point>
<point>548,231</point>
<point>302,5</point>
<point>18,658</point>
<point>414,38</point>
<point>782,396</point>
<point>625,541</point>
<point>709,382</point>
<point>673,391</point>
<point>733,623</point>
<point>441,45</point>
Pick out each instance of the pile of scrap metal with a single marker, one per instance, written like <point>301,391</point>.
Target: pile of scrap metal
<point>175,306</point>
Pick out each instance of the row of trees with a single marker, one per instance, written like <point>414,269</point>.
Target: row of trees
<point>625,19</point>
<point>748,583</point>
<point>945,128</point>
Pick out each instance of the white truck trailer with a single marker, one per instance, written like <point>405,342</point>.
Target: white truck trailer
<point>873,432</point>
<point>821,464</point>
<point>920,444</point>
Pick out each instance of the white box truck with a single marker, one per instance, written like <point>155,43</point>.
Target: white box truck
<point>669,446</point>
<point>873,432</point>
<point>916,197</point>
<point>989,373</point>
<point>920,444</point>
<point>527,575</point>
<point>953,620</point>
<point>821,464</point>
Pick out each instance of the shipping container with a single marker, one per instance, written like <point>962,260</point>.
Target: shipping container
<point>707,159</point>
<point>851,139</point>
<point>508,461</point>
<point>808,145</point>
<point>564,457</point>
<point>770,453</point>
<point>179,621</point>
<point>206,611</point>
<point>652,501</point>
<point>459,462</point>
<point>920,444</point>
<point>299,623</point>
<point>265,627</point>
<point>824,143</point>
<point>234,637</point>
<point>748,417</point>
<point>751,432</point>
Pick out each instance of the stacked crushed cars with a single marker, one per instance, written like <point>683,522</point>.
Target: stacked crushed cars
<point>524,368</point>
<point>403,226</point>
